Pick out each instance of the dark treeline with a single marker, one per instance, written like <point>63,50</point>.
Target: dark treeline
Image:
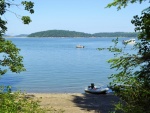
<point>65,33</point>
<point>116,34</point>
<point>59,33</point>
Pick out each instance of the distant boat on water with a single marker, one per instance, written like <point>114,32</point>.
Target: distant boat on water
<point>130,41</point>
<point>79,46</point>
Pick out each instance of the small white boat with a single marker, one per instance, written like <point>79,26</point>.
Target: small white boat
<point>96,90</point>
<point>130,41</point>
<point>79,46</point>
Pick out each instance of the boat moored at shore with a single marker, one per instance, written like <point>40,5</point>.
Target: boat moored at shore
<point>96,90</point>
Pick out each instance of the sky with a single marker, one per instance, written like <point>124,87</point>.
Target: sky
<point>89,16</point>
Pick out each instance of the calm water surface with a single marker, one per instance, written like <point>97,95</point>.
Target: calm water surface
<point>55,65</point>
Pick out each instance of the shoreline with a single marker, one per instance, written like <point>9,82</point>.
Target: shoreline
<point>76,102</point>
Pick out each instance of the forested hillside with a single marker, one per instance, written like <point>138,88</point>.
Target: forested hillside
<point>116,34</point>
<point>59,33</point>
<point>65,33</point>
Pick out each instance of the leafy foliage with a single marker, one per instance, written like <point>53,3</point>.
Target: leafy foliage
<point>26,19</point>
<point>18,103</point>
<point>28,6</point>
<point>123,3</point>
<point>10,58</point>
<point>143,24</point>
<point>132,80</point>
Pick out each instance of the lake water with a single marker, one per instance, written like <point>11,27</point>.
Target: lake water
<point>55,65</point>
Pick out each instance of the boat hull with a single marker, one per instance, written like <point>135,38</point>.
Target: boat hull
<point>130,41</point>
<point>101,92</point>
<point>79,46</point>
<point>97,90</point>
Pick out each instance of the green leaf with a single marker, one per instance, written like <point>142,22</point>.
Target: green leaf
<point>26,19</point>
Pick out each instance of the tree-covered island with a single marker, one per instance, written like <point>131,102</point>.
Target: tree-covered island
<point>67,33</point>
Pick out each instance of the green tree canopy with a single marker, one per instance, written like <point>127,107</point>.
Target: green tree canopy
<point>132,80</point>
<point>123,3</point>
<point>10,58</point>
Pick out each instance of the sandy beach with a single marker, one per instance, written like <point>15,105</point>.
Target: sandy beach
<point>76,102</point>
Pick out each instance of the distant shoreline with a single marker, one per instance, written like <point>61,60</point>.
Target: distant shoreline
<point>68,37</point>
<point>75,34</point>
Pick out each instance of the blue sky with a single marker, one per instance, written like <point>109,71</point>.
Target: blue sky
<point>89,16</point>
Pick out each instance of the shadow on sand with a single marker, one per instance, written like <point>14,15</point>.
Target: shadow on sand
<point>102,103</point>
